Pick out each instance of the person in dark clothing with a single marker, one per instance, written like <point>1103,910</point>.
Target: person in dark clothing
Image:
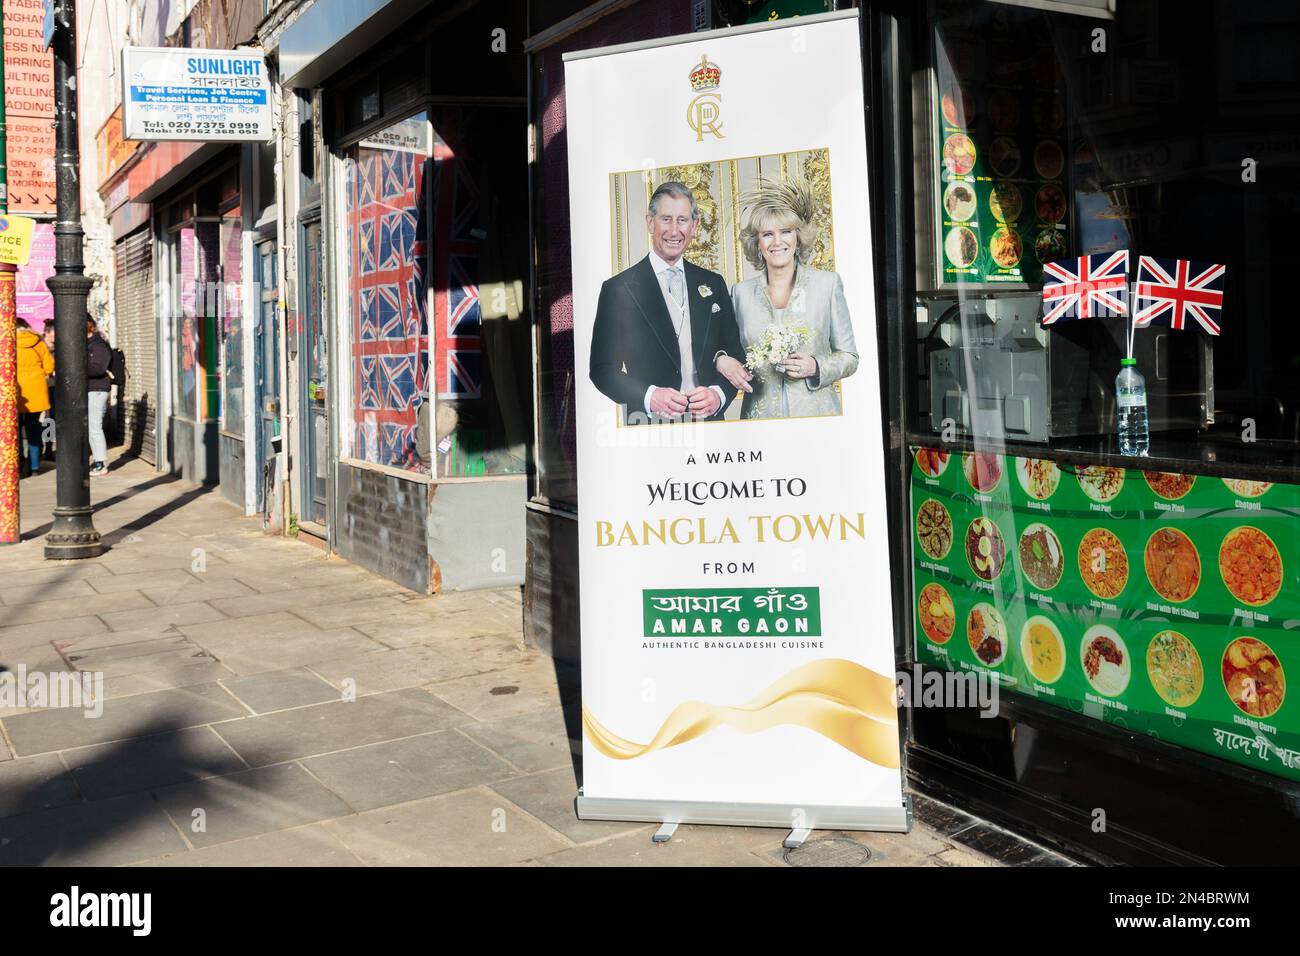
<point>98,358</point>
<point>48,337</point>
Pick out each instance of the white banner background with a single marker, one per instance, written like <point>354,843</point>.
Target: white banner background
<point>795,87</point>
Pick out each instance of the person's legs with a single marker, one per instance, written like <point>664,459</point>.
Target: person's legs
<point>97,402</point>
<point>49,420</point>
<point>32,431</point>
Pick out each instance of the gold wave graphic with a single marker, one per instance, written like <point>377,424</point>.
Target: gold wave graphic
<point>843,701</point>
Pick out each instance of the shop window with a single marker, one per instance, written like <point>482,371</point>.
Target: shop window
<point>308,158</point>
<point>557,479</point>
<point>387,176</point>
<point>1152,590</point>
<point>196,323</point>
<point>554,452</point>
<point>315,349</point>
<point>435,212</point>
<point>361,102</point>
<point>402,86</point>
<point>481,353</point>
<point>186,353</point>
<point>209,195</point>
<point>1041,145</point>
<point>231,322</point>
<point>208,317</point>
<point>267,193</point>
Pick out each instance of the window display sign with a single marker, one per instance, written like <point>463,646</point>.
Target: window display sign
<point>737,650</point>
<point>1002,196</point>
<point>35,301</point>
<point>1159,602</point>
<point>412,135</point>
<point>194,94</point>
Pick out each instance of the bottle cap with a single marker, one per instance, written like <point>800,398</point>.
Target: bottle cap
<point>1128,361</point>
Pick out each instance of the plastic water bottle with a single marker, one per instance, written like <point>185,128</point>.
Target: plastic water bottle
<point>1131,409</point>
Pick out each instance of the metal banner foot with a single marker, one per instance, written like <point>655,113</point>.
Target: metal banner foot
<point>889,819</point>
<point>665,832</point>
<point>796,838</point>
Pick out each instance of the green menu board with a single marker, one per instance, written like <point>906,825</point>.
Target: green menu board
<point>1163,603</point>
<point>1002,199</point>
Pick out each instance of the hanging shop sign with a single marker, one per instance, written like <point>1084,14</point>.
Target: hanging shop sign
<point>737,649</point>
<point>193,94</point>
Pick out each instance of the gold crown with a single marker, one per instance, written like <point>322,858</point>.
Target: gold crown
<point>705,76</point>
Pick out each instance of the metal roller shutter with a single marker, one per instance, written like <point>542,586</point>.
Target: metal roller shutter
<point>137,336</point>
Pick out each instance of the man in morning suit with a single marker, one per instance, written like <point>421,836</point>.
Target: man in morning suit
<point>663,324</point>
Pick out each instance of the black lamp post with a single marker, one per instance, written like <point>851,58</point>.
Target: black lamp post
<point>72,533</point>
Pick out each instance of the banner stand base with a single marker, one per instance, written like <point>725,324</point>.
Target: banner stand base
<point>796,838</point>
<point>671,813</point>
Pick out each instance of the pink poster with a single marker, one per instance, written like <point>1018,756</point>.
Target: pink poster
<point>35,304</point>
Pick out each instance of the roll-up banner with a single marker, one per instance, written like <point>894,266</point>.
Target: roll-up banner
<point>737,641</point>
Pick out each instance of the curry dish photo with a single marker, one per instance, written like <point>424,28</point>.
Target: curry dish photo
<point>1251,566</point>
<point>1173,566</point>
<point>1253,678</point>
<point>1103,564</point>
<point>936,613</point>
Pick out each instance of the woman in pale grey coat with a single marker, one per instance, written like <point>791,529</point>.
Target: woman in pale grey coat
<point>778,238</point>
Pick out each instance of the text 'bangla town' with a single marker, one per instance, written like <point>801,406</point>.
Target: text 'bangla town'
<point>783,528</point>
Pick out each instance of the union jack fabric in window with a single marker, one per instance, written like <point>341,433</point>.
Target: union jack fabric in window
<point>387,244</point>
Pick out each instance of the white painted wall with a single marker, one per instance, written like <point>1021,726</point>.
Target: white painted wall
<point>101,33</point>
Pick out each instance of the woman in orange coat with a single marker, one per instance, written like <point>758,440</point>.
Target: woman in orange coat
<point>34,363</point>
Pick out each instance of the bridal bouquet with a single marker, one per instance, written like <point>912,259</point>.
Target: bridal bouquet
<point>776,342</point>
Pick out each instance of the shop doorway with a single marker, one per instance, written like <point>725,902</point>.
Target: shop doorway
<point>194,265</point>
<point>267,343</point>
<point>313,358</point>
<point>198,266</point>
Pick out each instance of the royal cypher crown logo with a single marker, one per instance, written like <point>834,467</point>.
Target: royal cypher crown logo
<point>705,76</point>
<point>704,114</point>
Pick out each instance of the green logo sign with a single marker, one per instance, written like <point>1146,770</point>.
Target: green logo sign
<point>732,612</point>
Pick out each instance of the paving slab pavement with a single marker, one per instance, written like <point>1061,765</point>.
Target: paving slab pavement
<point>264,703</point>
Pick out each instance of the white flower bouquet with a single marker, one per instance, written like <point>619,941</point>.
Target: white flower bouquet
<point>776,342</point>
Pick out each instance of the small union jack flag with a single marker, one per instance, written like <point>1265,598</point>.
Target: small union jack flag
<point>1170,290</point>
<point>1085,287</point>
